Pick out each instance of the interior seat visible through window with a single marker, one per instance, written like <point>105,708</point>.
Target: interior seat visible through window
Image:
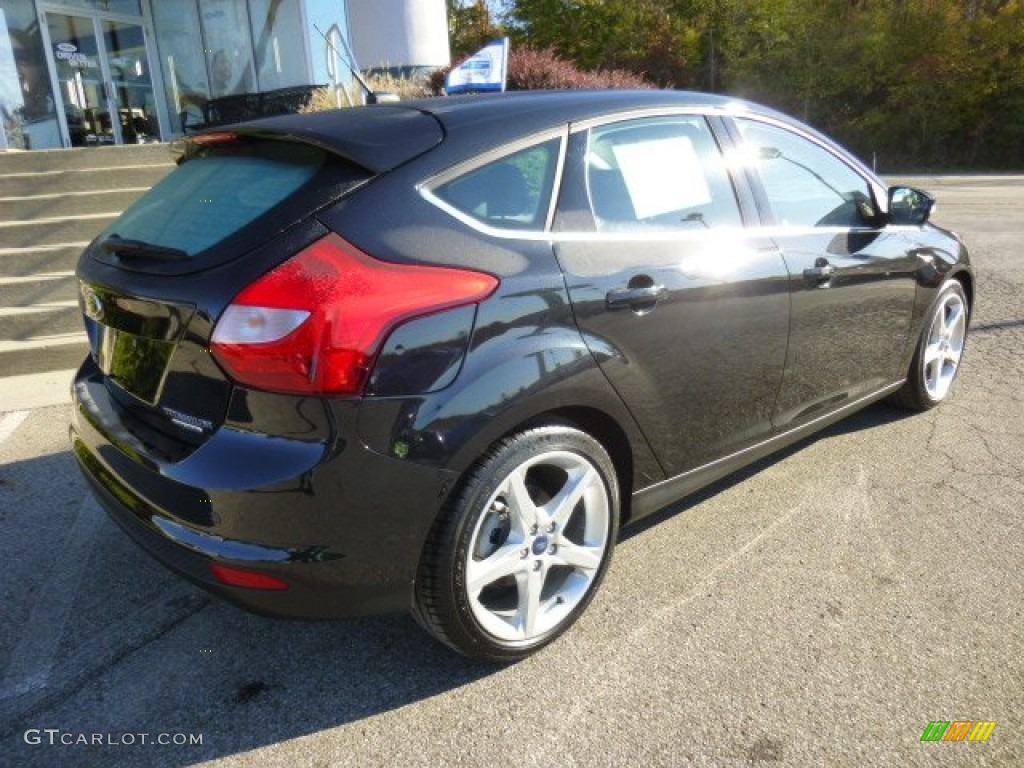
<point>513,192</point>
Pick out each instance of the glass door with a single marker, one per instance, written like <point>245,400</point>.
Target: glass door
<point>81,81</point>
<point>103,80</point>
<point>124,46</point>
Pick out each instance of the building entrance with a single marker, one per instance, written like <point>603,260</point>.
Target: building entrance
<point>102,79</point>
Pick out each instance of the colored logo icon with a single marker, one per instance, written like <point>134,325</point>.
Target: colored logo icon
<point>958,730</point>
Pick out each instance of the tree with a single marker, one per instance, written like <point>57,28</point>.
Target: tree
<point>921,82</point>
<point>471,26</point>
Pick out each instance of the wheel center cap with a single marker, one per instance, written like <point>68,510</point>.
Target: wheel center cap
<point>540,545</point>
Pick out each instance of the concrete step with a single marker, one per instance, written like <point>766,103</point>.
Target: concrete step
<point>23,262</point>
<point>41,320</point>
<point>44,288</point>
<point>52,203</point>
<point>28,234</point>
<point>70,204</point>
<point>78,159</point>
<point>47,353</point>
<point>89,180</point>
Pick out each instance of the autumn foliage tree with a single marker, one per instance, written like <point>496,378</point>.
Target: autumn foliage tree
<point>922,83</point>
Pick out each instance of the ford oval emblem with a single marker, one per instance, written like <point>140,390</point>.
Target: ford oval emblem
<point>67,47</point>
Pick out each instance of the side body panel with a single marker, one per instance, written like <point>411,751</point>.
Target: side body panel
<point>848,332</point>
<point>526,358</point>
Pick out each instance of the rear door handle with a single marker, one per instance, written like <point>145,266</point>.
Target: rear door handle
<point>637,299</point>
<point>821,272</point>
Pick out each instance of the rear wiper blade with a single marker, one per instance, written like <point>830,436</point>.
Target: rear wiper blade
<point>123,246</point>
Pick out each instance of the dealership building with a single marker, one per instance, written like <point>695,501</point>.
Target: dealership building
<point>104,72</point>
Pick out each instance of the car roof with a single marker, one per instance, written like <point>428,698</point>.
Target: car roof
<point>525,112</point>
<point>503,117</point>
<point>382,137</point>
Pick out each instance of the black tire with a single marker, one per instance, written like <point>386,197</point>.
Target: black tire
<point>554,564</point>
<point>935,367</point>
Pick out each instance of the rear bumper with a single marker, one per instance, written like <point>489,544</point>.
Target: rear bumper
<point>342,525</point>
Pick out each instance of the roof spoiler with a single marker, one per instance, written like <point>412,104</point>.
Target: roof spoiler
<point>378,138</point>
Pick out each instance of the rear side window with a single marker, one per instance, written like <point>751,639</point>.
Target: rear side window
<point>226,188</point>
<point>659,173</point>
<point>511,193</point>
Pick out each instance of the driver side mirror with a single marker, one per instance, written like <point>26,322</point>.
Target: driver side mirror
<point>909,207</point>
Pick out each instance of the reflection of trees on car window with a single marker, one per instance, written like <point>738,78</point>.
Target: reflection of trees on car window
<point>771,153</point>
<point>803,180</point>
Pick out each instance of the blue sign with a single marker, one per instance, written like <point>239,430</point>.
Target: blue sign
<point>485,70</point>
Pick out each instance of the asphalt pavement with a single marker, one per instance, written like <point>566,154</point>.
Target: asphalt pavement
<point>820,608</point>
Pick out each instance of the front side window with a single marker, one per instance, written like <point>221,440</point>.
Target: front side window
<point>511,193</point>
<point>806,185</point>
<point>658,174</point>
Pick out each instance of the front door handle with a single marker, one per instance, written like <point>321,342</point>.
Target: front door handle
<point>821,272</point>
<point>637,299</point>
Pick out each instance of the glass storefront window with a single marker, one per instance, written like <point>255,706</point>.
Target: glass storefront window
<point>182,61</point>
<point>277,43</point>
<point>27,108</point>
<point>213,62</point>
<point>228,47</point>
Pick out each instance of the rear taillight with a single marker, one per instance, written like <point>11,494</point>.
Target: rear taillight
<point>314,324</point>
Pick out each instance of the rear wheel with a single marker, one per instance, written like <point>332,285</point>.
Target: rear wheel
<point>520,551</point>
<point>939,351</point>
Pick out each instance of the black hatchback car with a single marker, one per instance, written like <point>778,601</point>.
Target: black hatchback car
<point>432,356</point>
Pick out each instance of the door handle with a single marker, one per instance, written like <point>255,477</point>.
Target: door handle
<point>821,272</point>
<point>637,299</point>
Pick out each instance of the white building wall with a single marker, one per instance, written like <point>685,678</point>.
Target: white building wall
<point>399,33</point>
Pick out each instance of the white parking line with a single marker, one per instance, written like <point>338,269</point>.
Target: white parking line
<point>43,342</point>
<point>35,309</point>
<point>36,277</point>
<point>34,390</point>
<point>32,661</point>
<point>59,219</point>
<point>10,422</point>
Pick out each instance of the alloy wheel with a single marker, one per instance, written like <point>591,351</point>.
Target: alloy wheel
<point>944,346</point>
<point>536,551</point>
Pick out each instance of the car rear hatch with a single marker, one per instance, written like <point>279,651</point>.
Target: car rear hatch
<point>153,284</point>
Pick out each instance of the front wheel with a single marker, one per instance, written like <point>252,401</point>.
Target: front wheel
<point>939,351</point>
<point>519,552</point>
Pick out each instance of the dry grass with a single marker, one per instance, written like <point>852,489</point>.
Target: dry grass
<point>406,88</point>
<point>325,98</point>
<point>322,100</point>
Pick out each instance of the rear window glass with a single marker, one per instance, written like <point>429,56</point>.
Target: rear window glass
<point>511,193</point>
<point>218,193</point>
